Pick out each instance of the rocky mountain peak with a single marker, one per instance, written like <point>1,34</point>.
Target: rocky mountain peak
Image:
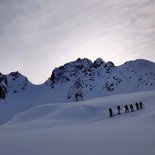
<point>13,82</point>
<point>78,68</point>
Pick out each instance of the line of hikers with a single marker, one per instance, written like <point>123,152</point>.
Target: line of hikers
<point>138,107</point>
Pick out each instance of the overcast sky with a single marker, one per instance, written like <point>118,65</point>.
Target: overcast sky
<point>38,35</point>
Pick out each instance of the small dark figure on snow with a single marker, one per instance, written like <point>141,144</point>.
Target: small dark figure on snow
<point>126,108</point>
<point>137,106</point>
<point>119,109</point>
<point>110,112</point>
<point>141,105</point>
<point>131,108</point>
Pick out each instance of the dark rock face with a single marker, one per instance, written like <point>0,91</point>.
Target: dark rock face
<point>83,75</point>
<point>3,86</point>
<point>80,75</point>
<point>2,92</point>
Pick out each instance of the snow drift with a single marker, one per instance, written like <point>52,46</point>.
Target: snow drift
<point>83,128</point>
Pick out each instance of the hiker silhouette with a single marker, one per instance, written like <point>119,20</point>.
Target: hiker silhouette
<point>137,106</point>
<point>110,112</point>
<point>141,105</point>
<point>126,108</point>
<point>119,109</point>
<point>131,108</point>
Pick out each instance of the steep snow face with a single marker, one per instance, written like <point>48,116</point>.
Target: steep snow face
<point>12,83</point>
<point>12,89</point>
<point>84,79</point>
<point>16,82</point>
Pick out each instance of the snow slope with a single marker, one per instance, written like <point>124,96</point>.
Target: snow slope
<point>83,128</point>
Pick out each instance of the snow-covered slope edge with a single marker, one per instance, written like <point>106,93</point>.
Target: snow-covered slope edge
<point>83,128</point>
<point>91,110</point>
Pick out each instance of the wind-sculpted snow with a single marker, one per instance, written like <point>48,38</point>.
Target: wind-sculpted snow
<point>90,110</point>
<point>83,128</point>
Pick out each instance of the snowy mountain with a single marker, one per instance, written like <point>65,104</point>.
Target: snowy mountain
<point>12,83</point>
<point>75,81</point>
<point>85,79</point>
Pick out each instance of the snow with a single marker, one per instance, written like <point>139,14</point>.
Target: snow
<point>82,128</point>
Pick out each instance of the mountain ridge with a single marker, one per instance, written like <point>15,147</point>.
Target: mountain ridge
<point>70,71</point>
<point>74,81</point>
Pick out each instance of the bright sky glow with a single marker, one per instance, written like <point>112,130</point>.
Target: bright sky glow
<point>38,35</point>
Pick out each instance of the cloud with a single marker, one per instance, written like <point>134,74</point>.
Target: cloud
<point>36,36</point>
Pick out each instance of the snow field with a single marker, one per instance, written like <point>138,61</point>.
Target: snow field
<point>82,128</point>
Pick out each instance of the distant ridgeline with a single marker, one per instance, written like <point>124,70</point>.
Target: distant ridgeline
<point>82,79</point>
<point>11,82</point>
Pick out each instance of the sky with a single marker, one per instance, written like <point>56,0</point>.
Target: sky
<point>38,35</point>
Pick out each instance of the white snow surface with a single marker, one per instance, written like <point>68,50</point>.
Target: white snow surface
<point>83,128</point>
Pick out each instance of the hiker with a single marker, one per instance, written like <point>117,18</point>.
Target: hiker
<point>119,109</point>
<point>126,108</point>
<point>110,112</point>
<point>141,105</point>
<point>131,108</point>
<point>137,106</point>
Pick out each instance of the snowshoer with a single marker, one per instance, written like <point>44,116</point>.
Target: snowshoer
<point>126,108</point>
<point>119,109</point>
<point>131,108</point>
<point>110,112</point>
<point>137,106</point>
<point>141,105</point>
